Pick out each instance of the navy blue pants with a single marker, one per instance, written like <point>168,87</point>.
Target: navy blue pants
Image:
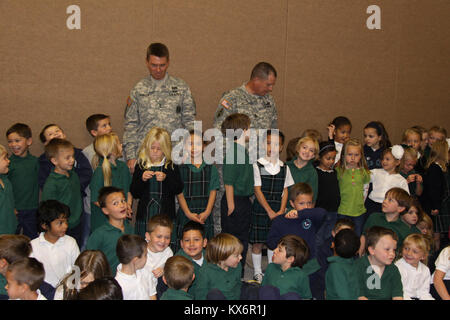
<point>27,222</point>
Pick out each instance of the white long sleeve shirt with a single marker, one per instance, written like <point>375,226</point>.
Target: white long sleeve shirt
<point>382,181</point>
<point>415,281</point>
<point>57,258</point>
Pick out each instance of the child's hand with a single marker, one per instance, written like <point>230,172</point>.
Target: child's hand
<point>411,178</point>
<point>194,217</point>
<point>160,176</point>
<point>230,210</point>
<point>361,251</point>
<point>158,272</point>
<point>293,214</point>
<point>129,211</point>
<point>331,128</point>
<point>147,175</point>
<point>203,216</point>
<point>434,212</point>
<point>419,178</point>
<point>272,214</point>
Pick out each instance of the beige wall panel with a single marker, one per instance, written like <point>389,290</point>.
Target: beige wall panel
<point>215,44</point>
<point>336,66</point>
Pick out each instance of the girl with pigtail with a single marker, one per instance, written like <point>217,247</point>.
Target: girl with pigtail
<point>108,171</point>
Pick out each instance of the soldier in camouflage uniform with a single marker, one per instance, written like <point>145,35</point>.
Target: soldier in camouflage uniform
<point>253,98</point>
<point>158,100</point>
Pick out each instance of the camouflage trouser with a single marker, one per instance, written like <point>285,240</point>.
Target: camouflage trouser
<point>216,208</point>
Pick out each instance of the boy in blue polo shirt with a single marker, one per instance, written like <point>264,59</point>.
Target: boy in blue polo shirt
<point>23,174</point>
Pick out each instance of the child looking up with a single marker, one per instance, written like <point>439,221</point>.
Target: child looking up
<point>328,186</point>
<point>156,179</point>
<point>92,264</point>
<point>23,174</point>
<point>24,277</point>
<point>56,250</point>
<point>201,182</point>
<point>339,131</point>
<point>63,183</point>
<point>415,275</point>
<point>81,164</point>
<point>272,179</point>
<point>220,276</point>
<point>108,171</point>
<point>132,254</point>
<point>114,205</point>
<point>8,219</point>
<point>376,140</point>
<point>353,176</point>
<point>178,275</point>
<point>285,273</point>
<point>340,279</point>
<point>385,178</point>
<point>377,277</point>
<point>301,167</point>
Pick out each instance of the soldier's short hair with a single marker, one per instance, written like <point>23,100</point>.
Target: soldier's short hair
<point>157,49</point>
<point>262,70</point>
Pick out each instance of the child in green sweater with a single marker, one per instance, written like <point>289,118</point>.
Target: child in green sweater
<point>340,279</point>
<point>178,276</point>
<point>23,174</point>
<point>286,273</point>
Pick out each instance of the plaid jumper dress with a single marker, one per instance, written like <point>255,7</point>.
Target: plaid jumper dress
<point>272,187</point>
<point>153,206</point>
<point>196,192</point>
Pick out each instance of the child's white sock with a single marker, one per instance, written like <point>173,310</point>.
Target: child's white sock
<point>256,259</point>
<point>269,256</point>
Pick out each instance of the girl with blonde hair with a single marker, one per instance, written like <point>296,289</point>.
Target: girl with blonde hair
<point>156,179</point>
<point>354,177</point>
<point>413,268</point>
<point>108,171</point>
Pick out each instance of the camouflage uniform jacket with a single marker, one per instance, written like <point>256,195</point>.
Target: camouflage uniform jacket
<point>261,109</point>
<point>170,106</point>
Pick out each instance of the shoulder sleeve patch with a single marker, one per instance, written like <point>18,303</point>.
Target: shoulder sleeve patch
<point>226,104</point>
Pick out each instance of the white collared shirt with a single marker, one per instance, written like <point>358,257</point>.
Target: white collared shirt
<point>415,281</point>
<point>272,169</point>
<point>382,181</point>
<point>136,286</point>
<point>39,297</point>
<point>443,263</point>
<point>156,260</point>
<point>338,147</point>
<point>57,258</point>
